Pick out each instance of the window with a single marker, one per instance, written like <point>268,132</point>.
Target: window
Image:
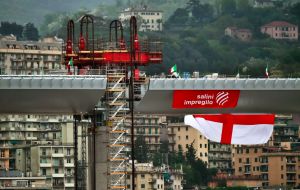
<point>240,169</point>
<point>201,154</point>
<point>281,176</point>
<point>281,167</point>
<point>68,151</point>
<point>255,160</point>
<point>240,160</point>
<point>56,170</point>
<point>56,150</point>
<point>200,136</point>
<point>149,130</point>
<point>255,150</point>
<point>178,129</point>
<point>200,145</point>
<point>143,176</point>
<point>205,154</point>
<point>247,150</point>
<point>44,172</point>
<point>68,160</point>
<point>186,128</point>
<point>187,137</point>
<point>205,146</point>
<point>253,168</point>
<point>178,137</point>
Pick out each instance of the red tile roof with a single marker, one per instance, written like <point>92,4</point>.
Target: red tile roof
<point>279,24</point>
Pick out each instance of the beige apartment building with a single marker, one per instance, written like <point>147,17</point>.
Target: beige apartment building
<point>30,58</point>
<point>56,162</point>
<point>186,135</point>
<point>150,177</point>
<point>151,20</point>
<point>280,30</point>
<point>246,160</point>
<point>276,162</point>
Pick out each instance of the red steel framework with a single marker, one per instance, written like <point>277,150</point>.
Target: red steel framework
<point>113,58</point>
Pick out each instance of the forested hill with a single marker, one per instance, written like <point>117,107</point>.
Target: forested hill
<point>194,39</point>
<point>23,11</point>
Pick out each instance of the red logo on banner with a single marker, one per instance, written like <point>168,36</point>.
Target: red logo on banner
<point>205,98</point>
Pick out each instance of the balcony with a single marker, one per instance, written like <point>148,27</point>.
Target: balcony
<point>58,155</point>
<point>58,185</point>
<point>69,184</point>
<point>58,175</point>
<point>151,180</point>
<point>69,165</point>
<point>290,170</point>
<point>31,138</point>
<point>45,165</point>
<point>69,174</point>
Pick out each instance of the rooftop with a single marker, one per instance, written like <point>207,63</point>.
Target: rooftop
<point>279,24</point>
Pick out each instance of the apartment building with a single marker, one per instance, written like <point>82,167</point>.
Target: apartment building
<point>15,181</point>
<point>276,162</point>
<point>56,162</point>
<point>280,30</point>
<point>219,156</point>
<point>285,130</point>
<point>185,135</point>
<point>246,160</point>
<point>280,168</point>
<point>20,135</point>
<point>151,20</point>
<point>29,58</point>
<point>151,127</point>
<point>150,177</point>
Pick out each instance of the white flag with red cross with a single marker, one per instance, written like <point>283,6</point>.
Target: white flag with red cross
<point>243,129</point>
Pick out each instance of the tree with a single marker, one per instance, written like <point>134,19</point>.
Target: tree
<point>180,16</point>
<point>228,6</point>
<point>191,153</point>
<point>141,150</point>
<point>180,156</point>
<point>30,32</point>
<point>8,28</point>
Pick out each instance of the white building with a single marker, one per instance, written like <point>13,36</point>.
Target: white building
<point>148,20</point>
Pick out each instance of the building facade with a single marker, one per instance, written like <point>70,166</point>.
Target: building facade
<point>150,20</point>
<point>56,162</point>
<point>150,177</point>
<point>280,30</point>
<point>20,135</point>
<point>274,163</point>
<point>185,135</point>
<point>30,58</point>
<point>239,33</point>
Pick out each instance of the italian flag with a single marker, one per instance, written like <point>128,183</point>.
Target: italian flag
<point>173,69</point>
<point>267,71</point>
<point>244,129</point>
<point>71,62</point>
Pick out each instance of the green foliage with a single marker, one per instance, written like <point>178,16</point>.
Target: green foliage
<point>30,32</point>
<point>141,150</point>
<point>8,28</point>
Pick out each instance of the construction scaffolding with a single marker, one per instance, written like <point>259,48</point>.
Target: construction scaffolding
<point>119,63</point>
<point>116,110</point>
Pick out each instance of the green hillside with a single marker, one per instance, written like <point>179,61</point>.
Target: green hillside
<point>22,11</point>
